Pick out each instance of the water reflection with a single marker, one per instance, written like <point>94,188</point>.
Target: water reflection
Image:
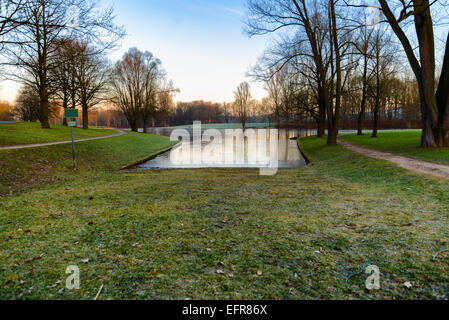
<point>218,153</point>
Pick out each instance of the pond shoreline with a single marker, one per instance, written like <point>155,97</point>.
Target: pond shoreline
<point>149,158</point>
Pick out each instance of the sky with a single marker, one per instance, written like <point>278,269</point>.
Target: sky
<point>201,44</point>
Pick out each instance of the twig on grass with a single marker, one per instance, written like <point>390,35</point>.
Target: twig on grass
<point>436,254</point>
<point>99,292</point>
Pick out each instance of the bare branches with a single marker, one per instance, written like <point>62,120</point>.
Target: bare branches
<point>242,96</point>
<point>137,81</point>
<point>37,28</point>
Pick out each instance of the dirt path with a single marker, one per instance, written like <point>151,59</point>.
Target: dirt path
<point>417,166</point>
<point>119,133</point>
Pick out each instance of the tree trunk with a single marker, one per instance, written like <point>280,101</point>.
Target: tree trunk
<point>134,123</point>
<point>144,125</point>
<point>334,115</point>
<point>332,136</point>
<point>434,107</point>
<point>376,121</point>
<point>364,93</point>
<point>44,106</point>
<point>321,119</point>
<point>376,109</point>
<point>361,117</point>
<point>64,106</point>
<point>85,117</point>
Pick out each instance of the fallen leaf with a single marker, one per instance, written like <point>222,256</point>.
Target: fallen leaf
<point>34,258</point>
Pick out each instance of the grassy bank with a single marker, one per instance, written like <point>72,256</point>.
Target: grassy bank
<point>405,143</point>
<point>24,169</point>
<point>29,133</point>
<point>176,234</point>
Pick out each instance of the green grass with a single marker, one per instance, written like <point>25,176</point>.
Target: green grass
<point>30,133</point>
<point>23,169</point>
<point>165,234</point>
<point>405,143</point>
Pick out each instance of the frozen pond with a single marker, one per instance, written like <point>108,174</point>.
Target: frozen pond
<point>213,154</point>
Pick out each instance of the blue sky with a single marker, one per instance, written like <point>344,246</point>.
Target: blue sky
<point>200,42</point>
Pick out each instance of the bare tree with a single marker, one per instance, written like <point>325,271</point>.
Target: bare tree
<point>9,10</point>
<point>137,81</point>
<point>154,73</point>
<point>40,25</point>
<point>364,47</point>
<point>307,18</point>
<point>91,78</point>
<point>383,68</point>
<point>27,104</point>
<point>166,105</point>
<point>321,38</point>
<point>434,98</point>
<point>127,86</point>
<point>242,97</point>
<point>63,77</point>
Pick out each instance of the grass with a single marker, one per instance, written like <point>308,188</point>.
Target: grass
<point>30,133</point>
<point>405,143</point>
<point>23,169</point>
<point>225,234</point>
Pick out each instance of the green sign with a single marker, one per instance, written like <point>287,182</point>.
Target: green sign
<point>71,113</point>
<point>72,124</point>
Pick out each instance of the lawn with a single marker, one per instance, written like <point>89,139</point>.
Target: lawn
<point>23,169</point>
<point>224,234</point>
<point>405,143</point>
<point>12,134</point>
